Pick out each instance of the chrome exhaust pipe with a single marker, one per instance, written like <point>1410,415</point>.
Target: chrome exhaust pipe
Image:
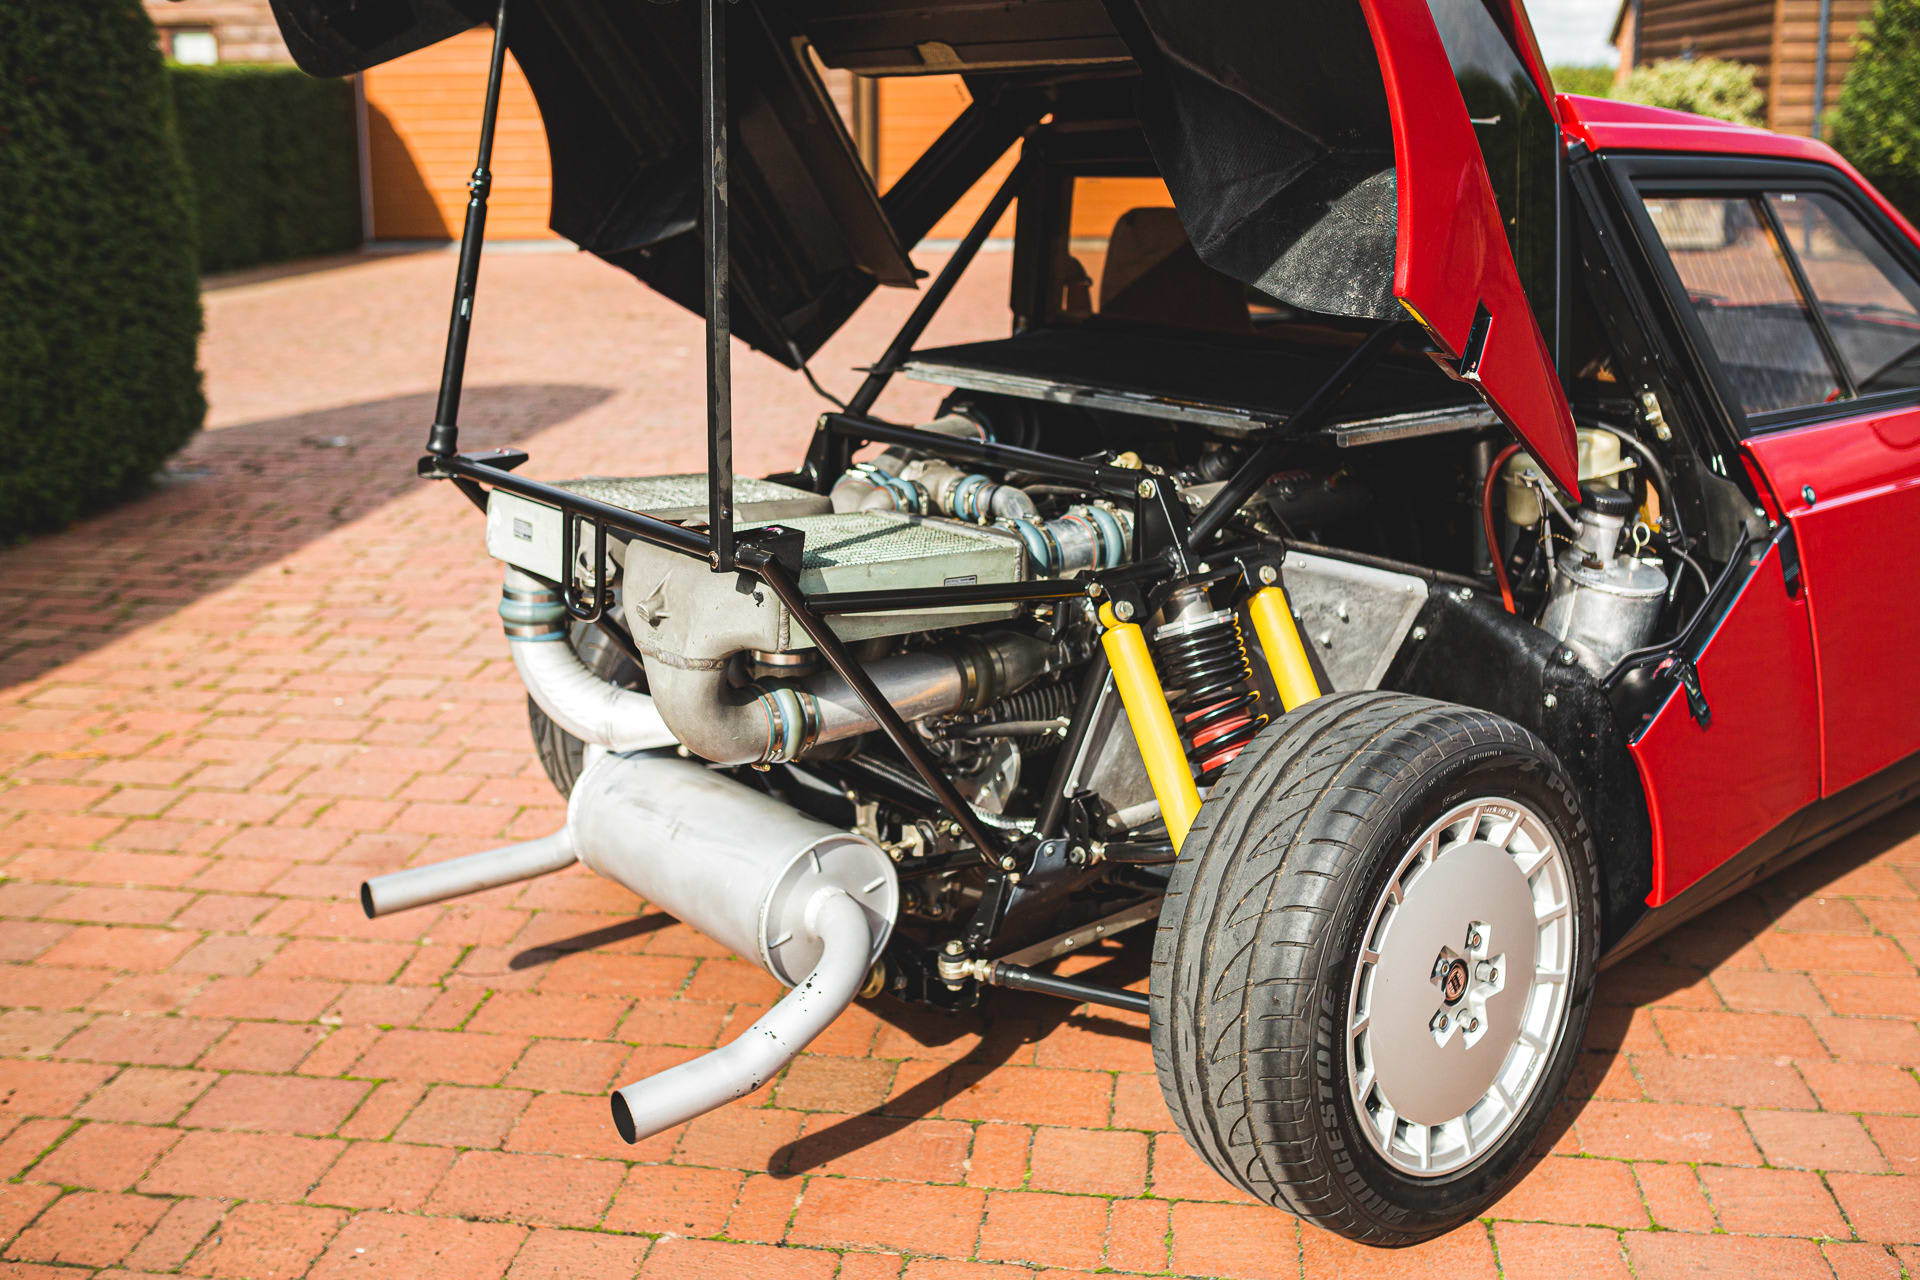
<point>811,904</point>
<point>438,881</point>
<point>756,1055</point>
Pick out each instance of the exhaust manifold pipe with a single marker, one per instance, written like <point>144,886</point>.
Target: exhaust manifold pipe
<point>809,903</point>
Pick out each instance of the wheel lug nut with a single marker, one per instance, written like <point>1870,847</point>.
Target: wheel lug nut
<point>1486,972</point>
<point>1439,1022</point>
<point>1473,1025</point>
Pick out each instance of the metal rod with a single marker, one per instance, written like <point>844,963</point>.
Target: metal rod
<point>941,597</point>
<point>1253,473</point>
<point>718,263</point>
<point>443,438</point>
<point>1053,805</point>
<point>1013,977</point>
<point>1821,46</point>
<point>936,294</point>
<point>1011,457</point>
<point>661,533</point>
<point>897,730</point>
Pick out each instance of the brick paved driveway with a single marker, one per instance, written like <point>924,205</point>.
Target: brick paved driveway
<point>221,706</point>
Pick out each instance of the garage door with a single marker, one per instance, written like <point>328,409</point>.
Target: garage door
<point>423,125</point>
<point>914,110</point>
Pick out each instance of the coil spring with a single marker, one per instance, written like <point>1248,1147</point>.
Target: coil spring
<point>1203,663</point>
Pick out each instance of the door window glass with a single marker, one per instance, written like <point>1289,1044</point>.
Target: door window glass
<point>1740,286</point>
<point>1871,305</point>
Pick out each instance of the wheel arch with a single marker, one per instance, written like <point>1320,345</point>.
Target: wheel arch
<point>1476,654</point>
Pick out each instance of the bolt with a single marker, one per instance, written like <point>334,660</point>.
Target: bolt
<point>1760,512</point>
<point>1007,863</point>
<point>1326,639</point>
<point>1551,701</point>
<point>955,946</point>
<point>1268,574</point>
<point>1077,856</point>
<point>1486,972</point>
<point>1463,595</point>
<point>1419,633</point>
<point>1203,568</point>
<point>1146,489</point>
<point>1567,657</point>
<point>1806,491</point>
<point>1013,877</point>
<point>1123,609</point>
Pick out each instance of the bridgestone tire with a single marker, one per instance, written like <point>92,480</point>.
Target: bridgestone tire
<point>561,754</point>
<point>1262,930</point>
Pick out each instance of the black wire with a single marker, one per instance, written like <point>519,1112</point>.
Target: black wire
<point>1670,506</point>
<point>814,382</point>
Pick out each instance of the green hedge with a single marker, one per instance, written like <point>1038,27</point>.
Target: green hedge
<point>274,163</point>
<point>1704,86</point>
<point>99,296</point>
<point>1878,123</point>
<point>1591,82</point>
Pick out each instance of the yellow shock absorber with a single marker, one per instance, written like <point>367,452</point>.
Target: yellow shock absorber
<point>1286,652</point>
<point>1153,727</point>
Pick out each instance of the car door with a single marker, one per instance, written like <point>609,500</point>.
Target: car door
<point>1802,299</point>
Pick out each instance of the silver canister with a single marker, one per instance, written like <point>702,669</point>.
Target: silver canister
<point>1603,610</point>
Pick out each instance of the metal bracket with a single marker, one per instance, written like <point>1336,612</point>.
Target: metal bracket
<point>1689,677</point>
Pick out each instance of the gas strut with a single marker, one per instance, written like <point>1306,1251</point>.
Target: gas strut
<point>443,438</point>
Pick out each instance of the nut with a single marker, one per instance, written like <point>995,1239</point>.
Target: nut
<point>1268,574</point>
<point>1146,489</point>
<point>1123,609</point>
<point>1007,863</point>
<point>1418,633</point>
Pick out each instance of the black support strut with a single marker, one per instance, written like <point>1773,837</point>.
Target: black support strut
<point>936,294</point>
<point>1262,462</point>
<point>443,438</point>
<point>713,240</point>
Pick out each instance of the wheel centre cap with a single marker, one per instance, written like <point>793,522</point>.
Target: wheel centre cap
<point>1442,1027</point>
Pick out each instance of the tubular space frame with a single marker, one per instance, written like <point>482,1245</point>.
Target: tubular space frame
<point>772,554</point>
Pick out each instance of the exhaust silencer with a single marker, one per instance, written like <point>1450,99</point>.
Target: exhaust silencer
<point>811,904</point>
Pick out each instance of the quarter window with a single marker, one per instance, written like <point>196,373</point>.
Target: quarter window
<point>1870,304</point>
<point>1740,285</point>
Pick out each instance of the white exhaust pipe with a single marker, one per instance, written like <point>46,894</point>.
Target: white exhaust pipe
<point>809,903</point>
<point>593,710</point>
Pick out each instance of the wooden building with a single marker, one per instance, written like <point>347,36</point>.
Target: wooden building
<point>1780,39</point>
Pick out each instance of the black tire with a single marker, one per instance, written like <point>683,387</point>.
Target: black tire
<point>561,754</point>
<point>1261,932</point>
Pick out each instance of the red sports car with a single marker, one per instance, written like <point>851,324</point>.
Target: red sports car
<point>1419,537</point>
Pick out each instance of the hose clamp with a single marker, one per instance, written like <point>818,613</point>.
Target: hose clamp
<point>532,613</point>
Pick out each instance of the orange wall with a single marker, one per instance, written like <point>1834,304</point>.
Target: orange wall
<point>423,126</point>
<point>914,110</point>
<point>423,121</point>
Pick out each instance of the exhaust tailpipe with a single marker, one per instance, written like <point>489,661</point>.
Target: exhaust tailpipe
<point>438,881</point>
<point>809,903</point>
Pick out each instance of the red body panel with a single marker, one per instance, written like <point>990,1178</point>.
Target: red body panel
<point>1712,792</point>
<point>1452,257</point>
<point>1601,124</point>
<point>1859,543</point>
<point>1518,28</point>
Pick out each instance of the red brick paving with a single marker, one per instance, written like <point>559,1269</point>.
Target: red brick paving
<point>224,704</point>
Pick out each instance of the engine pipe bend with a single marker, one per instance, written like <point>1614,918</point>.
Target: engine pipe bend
<point>593,710</point>
<point>756,1055</point>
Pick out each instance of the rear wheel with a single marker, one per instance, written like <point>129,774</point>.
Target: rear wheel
<point>561,754</point>
<point>1375,962</point>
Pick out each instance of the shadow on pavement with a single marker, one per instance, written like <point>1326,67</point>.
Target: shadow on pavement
<point>234,500</point>
<point>1009,1021</point>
